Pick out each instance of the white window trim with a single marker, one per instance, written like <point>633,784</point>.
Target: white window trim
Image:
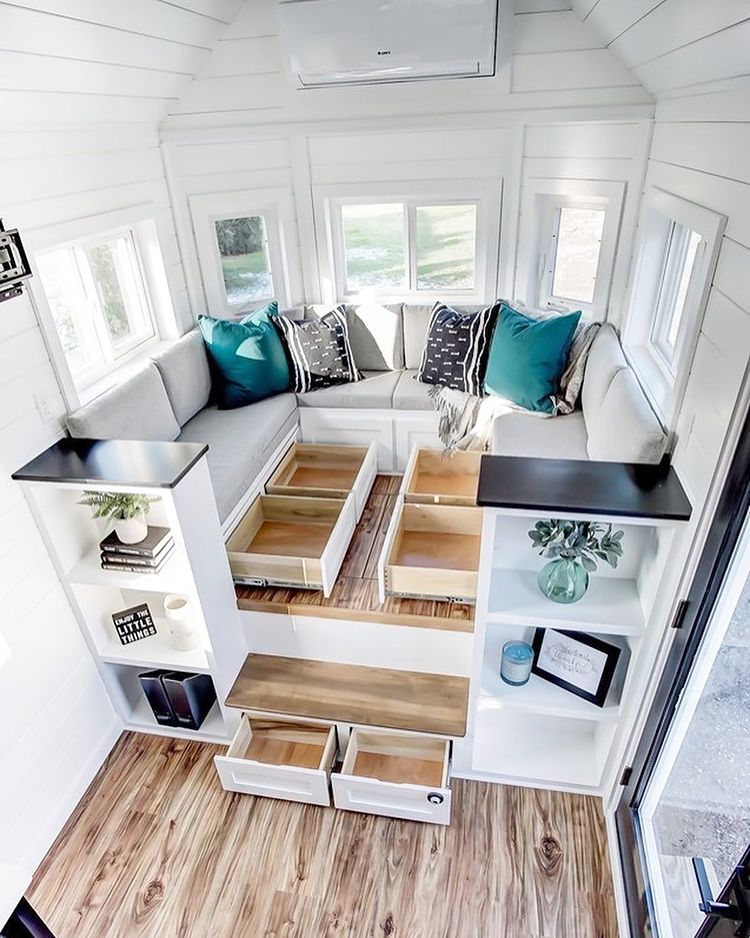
<point>540,200</point>
<point>665,382</point>
<point>485,194</point>
<point>141,219</point>
<point>277,210</point>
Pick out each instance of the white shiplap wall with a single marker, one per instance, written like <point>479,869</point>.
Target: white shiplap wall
<point>548,58</point>
<point>57,722</point>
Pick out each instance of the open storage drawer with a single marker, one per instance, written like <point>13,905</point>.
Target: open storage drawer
<point>292,541</point>
<point>432,477</point>
<point>431,551</point>
<point>396,775</point>
<point>279,758</point>
<point>322,470</point>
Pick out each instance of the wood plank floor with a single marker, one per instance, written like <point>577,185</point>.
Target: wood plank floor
<point>355,594</point>
<point>157,849</point>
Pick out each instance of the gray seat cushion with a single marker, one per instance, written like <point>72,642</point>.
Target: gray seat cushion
<point>411,394</point>
<point>375,334</point>
<point>551,437</point>
<point>137,409</point>
<point>416,320</point>
<point>373,392</point>
<point>240,442</point>
<point>604,361</point>
<point>184,370</point>
<point>625,429</point>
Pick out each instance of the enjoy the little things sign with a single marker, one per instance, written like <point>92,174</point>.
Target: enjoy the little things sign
<point>133,624</point>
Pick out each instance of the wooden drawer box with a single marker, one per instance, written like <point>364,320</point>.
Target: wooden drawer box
<point>292,541</point>
<point>279,758</point>
<point>320,470</point>
<point>431,551</point>
<point>431,477</point>
<point>396,775</point>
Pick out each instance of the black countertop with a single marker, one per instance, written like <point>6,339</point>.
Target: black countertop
<point>123,462</point>
<point>592,488</point>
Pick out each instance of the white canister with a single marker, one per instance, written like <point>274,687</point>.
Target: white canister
<point>181,621</point>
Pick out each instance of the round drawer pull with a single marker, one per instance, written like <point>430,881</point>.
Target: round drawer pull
<point>435,797</point>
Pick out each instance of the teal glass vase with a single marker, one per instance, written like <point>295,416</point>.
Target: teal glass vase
<point>563,580</point>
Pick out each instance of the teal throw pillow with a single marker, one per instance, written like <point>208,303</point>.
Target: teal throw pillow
<point>528,356</point>
<point>248,361</point>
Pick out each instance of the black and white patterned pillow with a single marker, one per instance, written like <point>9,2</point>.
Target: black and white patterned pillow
<point>456,348</point>
<point>318,350</point>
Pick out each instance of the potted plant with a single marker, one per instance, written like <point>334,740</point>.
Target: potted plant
<point>574,549</point>
<point>127,510</point>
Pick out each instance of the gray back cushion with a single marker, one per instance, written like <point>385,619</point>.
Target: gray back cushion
<point>375,334</point>
<point>137,409</point>
<point>416,320</point>
<point>605,359</point>
<point>184,370</point>
<point>625,429</point>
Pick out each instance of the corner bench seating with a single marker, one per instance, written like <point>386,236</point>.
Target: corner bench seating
<point>168,399</point>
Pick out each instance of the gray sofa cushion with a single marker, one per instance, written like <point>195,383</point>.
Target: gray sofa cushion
<point>625,429</point>
<point>411,394</point>
<point>184,370</point>
<point>605,359</point>
<point>373,392</point>
<point>240,442</point>
<point>416,320</point>
<point>552,437</point>
<point>137,409</point>
<point>375,334</point>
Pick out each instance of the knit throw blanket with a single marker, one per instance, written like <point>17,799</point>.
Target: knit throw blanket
<point>466,421</point>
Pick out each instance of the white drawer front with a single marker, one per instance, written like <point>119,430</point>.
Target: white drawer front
<point>309,786</point>
<point>410,802</point>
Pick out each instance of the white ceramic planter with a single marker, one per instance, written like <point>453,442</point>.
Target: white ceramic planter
<point>181,621</point>
<point>131,530</point>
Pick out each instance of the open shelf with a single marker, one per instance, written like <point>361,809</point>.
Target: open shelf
<point>532,748</point>
<point>141,720</point>
<point>611,604</point>
<point>157,651</point>
<point>174,577</point>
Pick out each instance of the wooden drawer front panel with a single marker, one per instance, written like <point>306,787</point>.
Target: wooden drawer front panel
<point>432,551</point>
<point>294,541</point>
<point>277,758</point>
<point>395,775</point>
<point>431,477</point>
<point>322,470</point>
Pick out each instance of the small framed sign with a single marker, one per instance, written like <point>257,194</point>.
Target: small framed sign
<point>576,662</point>
<point>133,624</point>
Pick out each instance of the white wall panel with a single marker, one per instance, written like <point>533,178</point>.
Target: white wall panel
<point>552,32</point>
<point>556,71</point>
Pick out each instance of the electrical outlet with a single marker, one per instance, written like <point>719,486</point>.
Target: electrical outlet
<point>42,405</point>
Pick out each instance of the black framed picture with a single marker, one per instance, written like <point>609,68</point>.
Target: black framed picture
<point>577,662</point>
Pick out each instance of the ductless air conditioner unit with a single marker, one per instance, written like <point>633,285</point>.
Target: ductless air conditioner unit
<point>347,42</point>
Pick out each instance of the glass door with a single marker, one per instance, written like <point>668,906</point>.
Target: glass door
<point>694,814</point>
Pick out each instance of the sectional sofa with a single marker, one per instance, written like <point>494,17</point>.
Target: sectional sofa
<point>168,399</point>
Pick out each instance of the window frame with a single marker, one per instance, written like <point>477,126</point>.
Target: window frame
<point>485,195</point>
<point>663,375</point>
<point>541,203</point>
<point>206,210</point>
<point>140,222</point>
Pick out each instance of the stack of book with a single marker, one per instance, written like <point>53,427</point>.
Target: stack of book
<point>147,556</point>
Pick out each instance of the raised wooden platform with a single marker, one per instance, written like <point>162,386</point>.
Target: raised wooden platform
<point>347,693</point>
<point>355,595</point>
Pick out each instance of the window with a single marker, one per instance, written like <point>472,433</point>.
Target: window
<point>568,239</point>
<point>246,270</point>
<point>397,247</point>
<point>678,244</point>
<point>96,292</point>
<point>242,252</point>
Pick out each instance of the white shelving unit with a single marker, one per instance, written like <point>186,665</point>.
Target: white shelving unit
<point>541,735</point>
<point>176,474</point>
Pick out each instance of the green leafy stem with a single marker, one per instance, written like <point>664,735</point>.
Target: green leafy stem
<point>584,541</point>
<point>121,506</point>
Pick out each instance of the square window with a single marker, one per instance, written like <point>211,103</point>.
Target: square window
<point>574,256</point>
<point>374,247</point>
<point>245,264</point>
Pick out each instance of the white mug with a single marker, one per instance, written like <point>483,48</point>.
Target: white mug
<point>181,621</point>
